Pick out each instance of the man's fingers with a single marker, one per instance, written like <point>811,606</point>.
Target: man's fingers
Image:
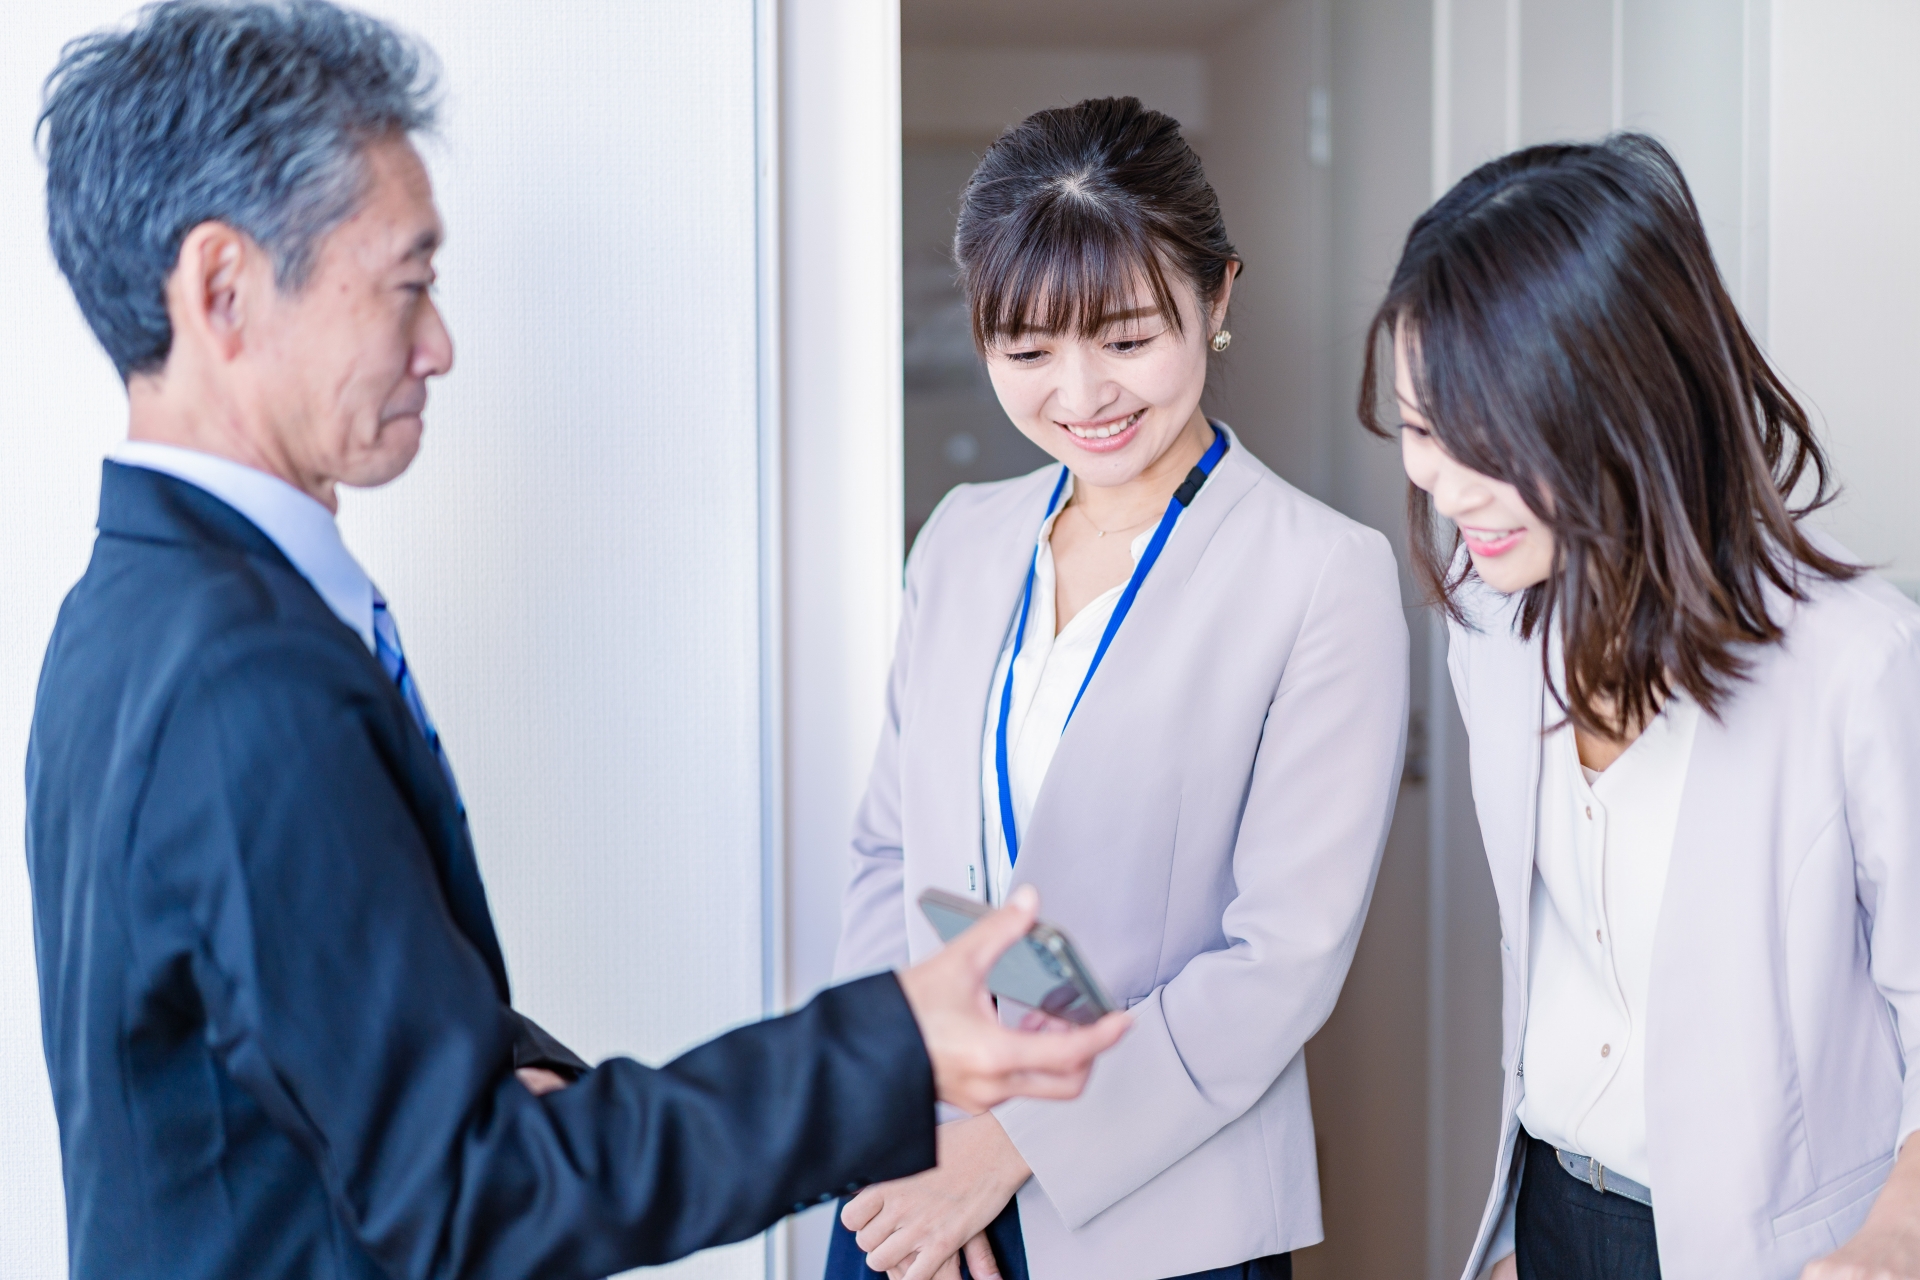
<point>1067,1051</point>
<point>1017,1064</point>
<point>988,938</point>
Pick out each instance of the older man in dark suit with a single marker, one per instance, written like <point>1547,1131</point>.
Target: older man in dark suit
<point>275,1011</point>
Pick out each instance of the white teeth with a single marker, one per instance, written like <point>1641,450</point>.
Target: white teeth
<point>1102,433</point>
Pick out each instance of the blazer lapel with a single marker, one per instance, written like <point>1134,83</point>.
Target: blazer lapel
<point>1155,609</point>
<point>961,631</point>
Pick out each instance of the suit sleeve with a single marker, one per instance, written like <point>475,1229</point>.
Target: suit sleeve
<point>1209,1044</point>
<point>873,914</point>
<point>1882,761</point>
<point>339,993</point>
<point>535,1046</point>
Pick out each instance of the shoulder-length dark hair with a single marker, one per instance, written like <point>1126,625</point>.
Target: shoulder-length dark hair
<point>1570,335</point>
<point>1072,208</point>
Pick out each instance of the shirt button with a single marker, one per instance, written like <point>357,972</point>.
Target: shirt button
<point>1596,936</point>
<point>1605,1050</point>
<point>1589,813</point>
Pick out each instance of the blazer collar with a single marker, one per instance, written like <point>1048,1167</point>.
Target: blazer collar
<point>154,507</point>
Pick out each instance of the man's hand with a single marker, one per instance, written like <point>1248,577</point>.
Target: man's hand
<point>539,1080</point>
<point>977,1063</point>
<point>914,1228</point>
<point>1508,1268</point>
<point>1887,1246</point>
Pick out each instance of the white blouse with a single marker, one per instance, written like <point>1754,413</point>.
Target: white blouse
<point>1600,871</point>
<point>1045,682</point>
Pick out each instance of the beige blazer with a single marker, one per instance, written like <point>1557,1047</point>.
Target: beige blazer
<point>1208,834</point>
<point>1785,991</point>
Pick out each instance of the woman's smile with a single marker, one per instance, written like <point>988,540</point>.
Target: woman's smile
<point>1107,434</point>
<point>1489,543</point>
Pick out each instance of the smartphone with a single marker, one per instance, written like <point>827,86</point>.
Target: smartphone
<point>1042,971</point>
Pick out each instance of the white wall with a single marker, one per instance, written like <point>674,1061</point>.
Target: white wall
<point>63,409</point>
<point>1844,257</point>
<point>839,178</point>
<point>576,558</point>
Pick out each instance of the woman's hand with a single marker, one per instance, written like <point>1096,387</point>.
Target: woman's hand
<point>914,1228</point>
<point>1887,1246</point>
<point>1508,1268</point>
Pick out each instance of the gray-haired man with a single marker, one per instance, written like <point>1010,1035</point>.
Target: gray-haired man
<point>275,1011</point>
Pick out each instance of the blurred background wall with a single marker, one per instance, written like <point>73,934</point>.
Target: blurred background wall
<point>712,375</point>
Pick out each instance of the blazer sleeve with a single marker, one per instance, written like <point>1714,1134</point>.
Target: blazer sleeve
<point>1209,1044</point>
<point>873,914</point>
<point>1882,763</point>
<point>280,860</point>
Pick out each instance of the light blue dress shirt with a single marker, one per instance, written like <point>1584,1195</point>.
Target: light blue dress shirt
<point>303,529</point>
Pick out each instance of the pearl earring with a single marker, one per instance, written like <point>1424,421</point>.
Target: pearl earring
<point>1221,340</point>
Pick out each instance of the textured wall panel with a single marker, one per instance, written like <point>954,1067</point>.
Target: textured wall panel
<point>574,559</point>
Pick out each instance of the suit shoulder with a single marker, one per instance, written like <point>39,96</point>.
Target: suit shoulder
<point>202,589</point>
<point>200,610</point>
<point>970,510</point>
<point>1311,529</point>
<point>1857,623</point>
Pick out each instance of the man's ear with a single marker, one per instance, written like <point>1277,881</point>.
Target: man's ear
<point>211,292</point>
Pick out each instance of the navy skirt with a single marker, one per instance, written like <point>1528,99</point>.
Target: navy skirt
<point>846,1262</point>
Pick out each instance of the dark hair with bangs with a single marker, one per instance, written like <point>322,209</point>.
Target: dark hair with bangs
<point>1571,336</point>
<point>1072,208</point>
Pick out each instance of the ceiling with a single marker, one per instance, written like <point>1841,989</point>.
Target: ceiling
<point>1068,23</point>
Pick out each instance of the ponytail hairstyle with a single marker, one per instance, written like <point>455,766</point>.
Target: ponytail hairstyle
<point>1570,335</point>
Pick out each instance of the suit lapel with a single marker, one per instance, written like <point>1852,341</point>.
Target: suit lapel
<point>138,503</point>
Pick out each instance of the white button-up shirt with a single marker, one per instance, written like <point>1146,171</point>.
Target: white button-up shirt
<point>1046,680</point>
<point>296,522</point>
<point>1600,871</point>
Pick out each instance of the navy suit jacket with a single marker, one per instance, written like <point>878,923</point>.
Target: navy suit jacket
<point>275,1012</point>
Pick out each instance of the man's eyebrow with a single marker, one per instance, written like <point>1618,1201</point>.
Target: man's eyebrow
<point>423,246</point>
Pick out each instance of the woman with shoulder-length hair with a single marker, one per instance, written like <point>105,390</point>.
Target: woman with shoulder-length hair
<point>1164,687</point>
<point>1695,741</point>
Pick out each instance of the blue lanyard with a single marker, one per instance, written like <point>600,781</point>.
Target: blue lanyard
<point>1184,495</point>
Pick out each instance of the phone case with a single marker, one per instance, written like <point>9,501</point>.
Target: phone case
<point>1043,971</point>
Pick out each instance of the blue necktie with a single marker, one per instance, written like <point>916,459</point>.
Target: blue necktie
<point>386,647</point>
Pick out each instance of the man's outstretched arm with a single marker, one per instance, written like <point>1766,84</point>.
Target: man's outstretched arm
<point>342,996</point>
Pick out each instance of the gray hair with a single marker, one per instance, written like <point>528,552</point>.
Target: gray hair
<point>253,113</point>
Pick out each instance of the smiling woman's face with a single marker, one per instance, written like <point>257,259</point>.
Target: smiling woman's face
<point>1512,548</point>
<point>1107,406</point>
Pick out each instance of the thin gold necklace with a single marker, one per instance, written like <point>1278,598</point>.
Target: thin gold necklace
<point>1104,532</point>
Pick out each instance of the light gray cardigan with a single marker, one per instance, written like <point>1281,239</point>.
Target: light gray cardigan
<point>1784,996</point>
<point>1208,834</point>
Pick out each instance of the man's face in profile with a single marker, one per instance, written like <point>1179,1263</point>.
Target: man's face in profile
<point>343,361</point>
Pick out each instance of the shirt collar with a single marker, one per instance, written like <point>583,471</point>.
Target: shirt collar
<point>303,529</point>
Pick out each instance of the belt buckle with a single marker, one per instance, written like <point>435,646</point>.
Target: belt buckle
<point>1597,1176</point>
